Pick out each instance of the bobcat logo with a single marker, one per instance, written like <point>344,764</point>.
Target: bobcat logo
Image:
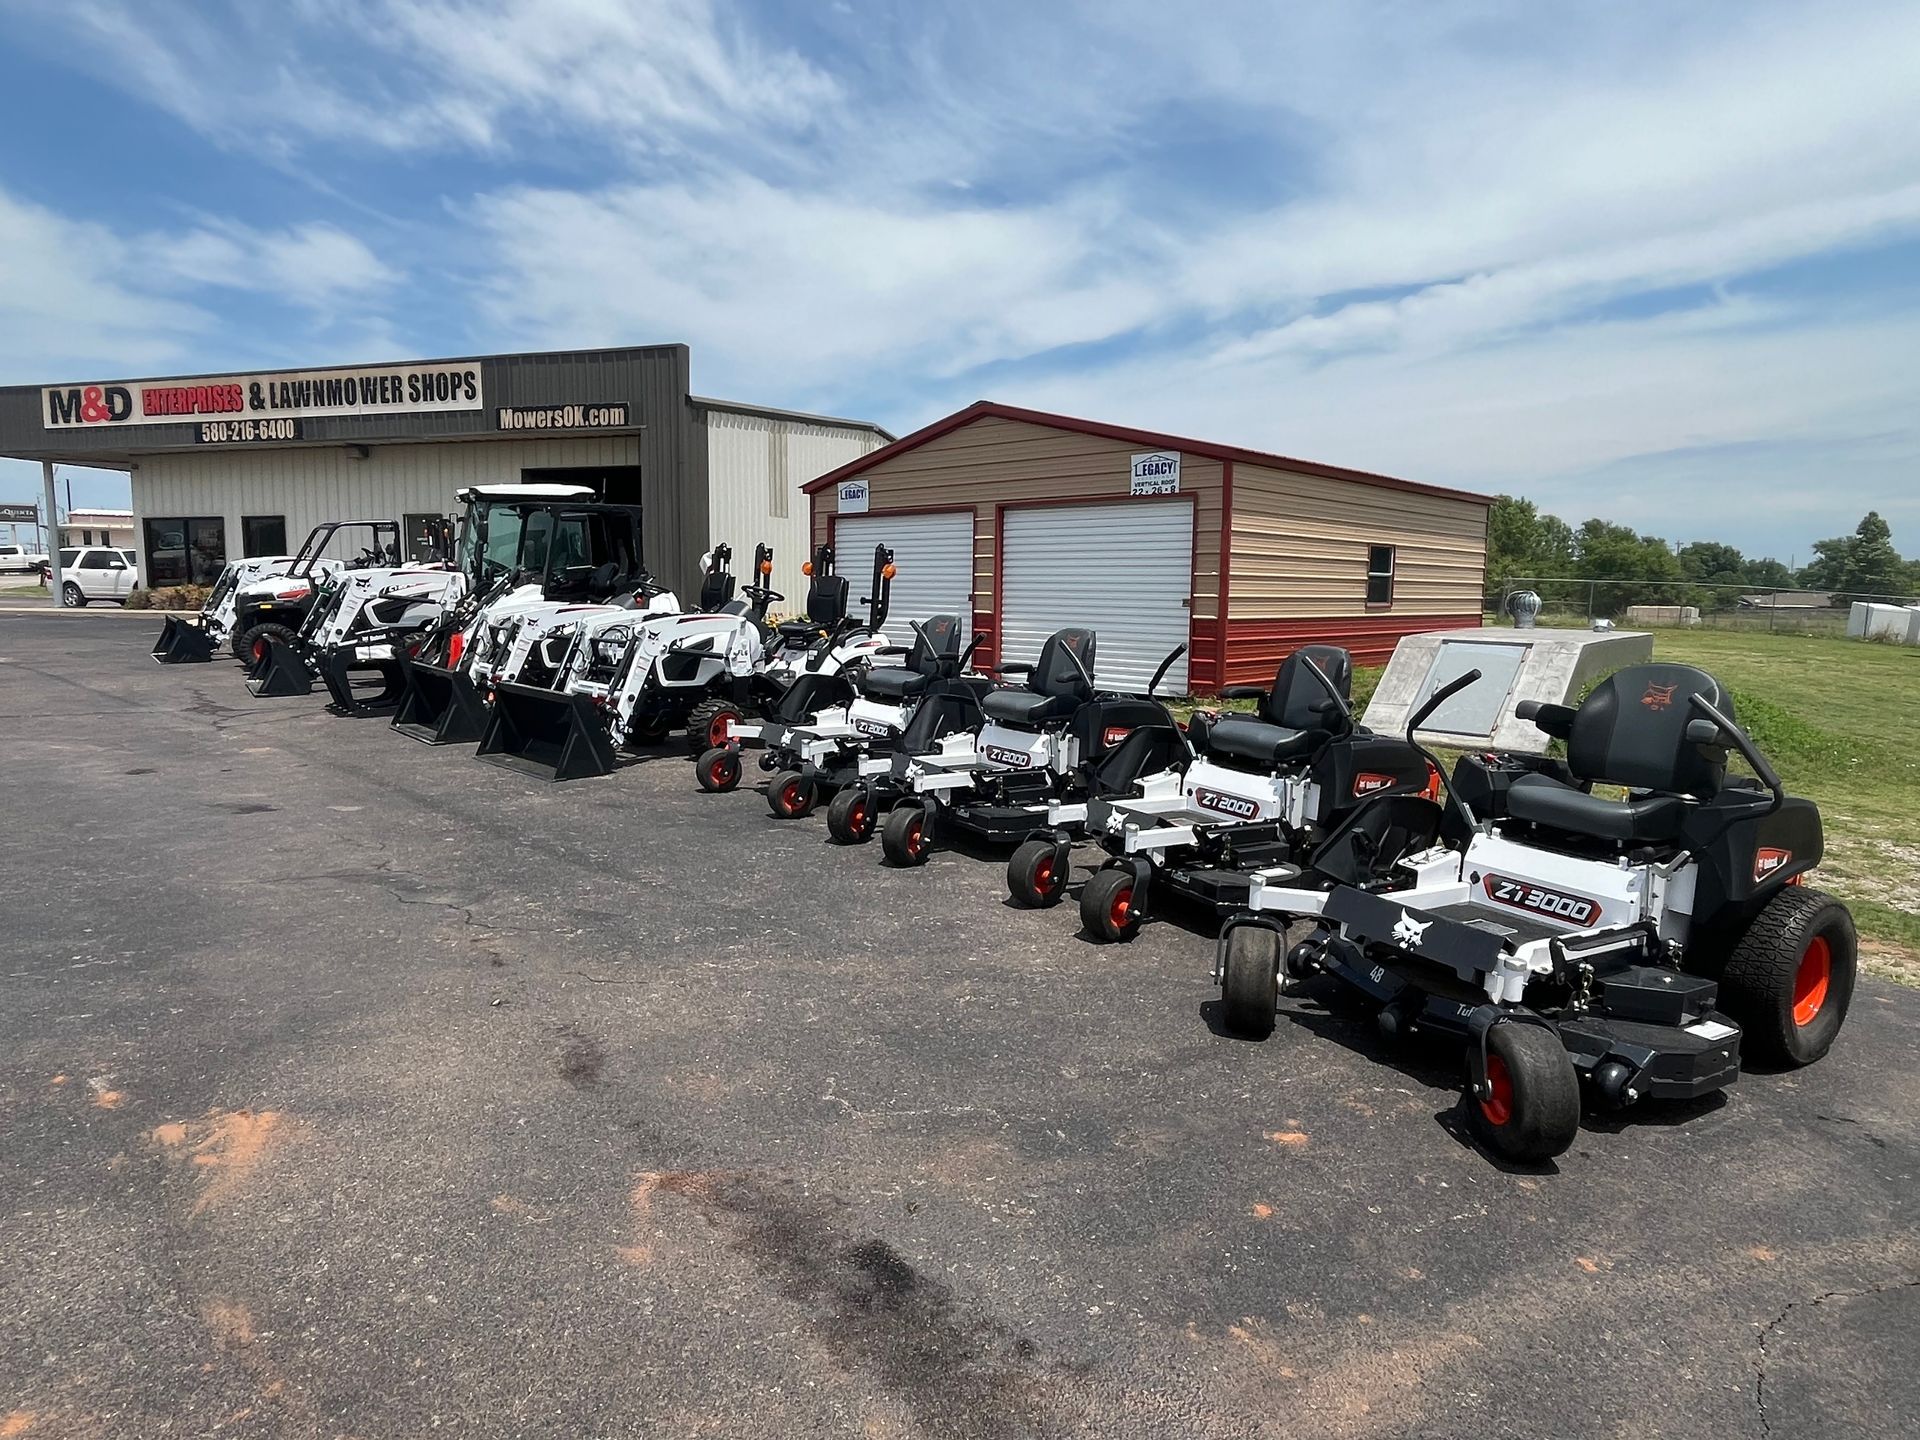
<point>1409,932</point>
<point>1659,697</point>
<point>1768,859</point>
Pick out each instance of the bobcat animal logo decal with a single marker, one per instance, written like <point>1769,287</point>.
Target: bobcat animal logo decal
<point>1659,697</point>
<point>1409,932</point>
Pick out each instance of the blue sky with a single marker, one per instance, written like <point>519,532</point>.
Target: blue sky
<point>1656,263</point>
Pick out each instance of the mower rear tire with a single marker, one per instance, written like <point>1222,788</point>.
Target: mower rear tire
<point>1532,1110</point>
<point>903,839</point>
<point>850,816</point>
<point>1036,880</point>
<point>253,644</point>
<point>1790,978</point>
<point>708,724</point>
<point>1250,988</point>
<point>718,770</point>
<point>1107,911</point>
<point>791,796</point>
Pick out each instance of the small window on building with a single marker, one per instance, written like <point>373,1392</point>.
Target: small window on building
<point>1380,574</point>
<point>263,534</point>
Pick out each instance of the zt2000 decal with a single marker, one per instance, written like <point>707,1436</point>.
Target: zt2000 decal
<point>1522,895</point>
<point>872,727</point>
<point>1221,803</point>
<point>1012,759</point>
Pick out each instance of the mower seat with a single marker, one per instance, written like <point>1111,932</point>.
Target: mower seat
<point>893,682</point>
<point>798,632</point>
<point>1055,688</point>
<point>1254,740</point>
<point>935,651</point>
<point>1651,820</point>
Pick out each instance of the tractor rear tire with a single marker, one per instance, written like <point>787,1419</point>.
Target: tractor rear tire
<point>708,722</point>
<point>253,644</point>
<point>850,816</point>
<point>903,839</point>
<point>718,770</point>
<point>1250,988</point>
<point>791,795</point>
<point>1789,980</point>
<point>1036,880</point>
<point>1107,911</point>
<point>1532,1112</point>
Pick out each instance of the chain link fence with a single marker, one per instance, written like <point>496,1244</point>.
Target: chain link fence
<point>1640,604</point>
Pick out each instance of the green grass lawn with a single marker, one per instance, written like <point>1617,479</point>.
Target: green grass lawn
<point>1840,720</point>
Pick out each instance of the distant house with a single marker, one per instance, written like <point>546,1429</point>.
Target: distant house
<point>113,528</point>
<point>1788,600</point>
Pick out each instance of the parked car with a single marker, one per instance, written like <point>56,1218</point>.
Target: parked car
<point>94,572</point>
<point>19,561</point>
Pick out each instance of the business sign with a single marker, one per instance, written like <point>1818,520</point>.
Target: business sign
<point>290,395</point>
<point>1157,473</point>
<point>245,432</point>
<point>853,497</point>
<point>561,417</point>
<point>19,515</point>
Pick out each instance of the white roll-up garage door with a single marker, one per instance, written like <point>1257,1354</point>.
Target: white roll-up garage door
<point>932,558</point>
<point>1124,571</point>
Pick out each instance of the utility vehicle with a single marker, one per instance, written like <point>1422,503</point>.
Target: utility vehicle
<point>1633,948</point>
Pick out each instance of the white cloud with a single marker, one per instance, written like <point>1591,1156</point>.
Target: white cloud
<point>316,265</point>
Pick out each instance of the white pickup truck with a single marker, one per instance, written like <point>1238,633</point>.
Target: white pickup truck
<point>16,561</point>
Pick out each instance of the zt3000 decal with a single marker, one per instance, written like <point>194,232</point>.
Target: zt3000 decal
<point>1221,803</point>
<point>1555,904</point>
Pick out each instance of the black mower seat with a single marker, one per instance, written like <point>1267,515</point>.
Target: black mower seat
<point>893,682</point>
<point>1545,801</point>
<point>1023,707</point>
<point>804,631</point>
<point>1259,742</point>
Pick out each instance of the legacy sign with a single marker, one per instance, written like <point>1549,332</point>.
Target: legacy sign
<point>1156,473</point>
<point>292,395</point>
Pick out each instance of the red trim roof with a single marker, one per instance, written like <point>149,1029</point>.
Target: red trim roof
<point>983,409</point>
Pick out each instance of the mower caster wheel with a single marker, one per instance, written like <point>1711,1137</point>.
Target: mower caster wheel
<point>1035,878</point>
<point>850,816</point>
<point>791,796</point>
<point>903,839</point>
<point>718,770</point>
<point>1531,1111</point>
<point>1250,984</point>
<point>1107,911</point>
<point>709,725</point>
<point>1790,978</point>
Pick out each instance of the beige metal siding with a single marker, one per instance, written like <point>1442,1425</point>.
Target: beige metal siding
<point>993,462</point>
<point>1300,547</point>
<point>312,485</point>
<point>756,465</point>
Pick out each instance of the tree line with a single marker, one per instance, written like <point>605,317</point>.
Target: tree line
<point>1526,546</point>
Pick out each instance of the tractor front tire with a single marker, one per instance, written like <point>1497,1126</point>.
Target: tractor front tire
<point>1250,987</point>
<point>791,795</point>
<point>850,816</point>
<point>903,839</point>
<point>1107,911</point>
<point>708,724</point>
<point>1036,879</point>
<point>253,644</point>
<point>1789,980</point>
<point>718,770</point>
<point>1531,1112</point>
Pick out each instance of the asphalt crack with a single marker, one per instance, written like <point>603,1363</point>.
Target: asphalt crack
<point>1760,1361</point>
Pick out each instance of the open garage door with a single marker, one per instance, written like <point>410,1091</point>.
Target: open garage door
<point>1123,571</point>
<point>933,555</point>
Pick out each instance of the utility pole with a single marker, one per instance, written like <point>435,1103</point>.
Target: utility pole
<point>53,525</point>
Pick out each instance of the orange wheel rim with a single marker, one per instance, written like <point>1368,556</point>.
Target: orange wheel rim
<point>790,795</point>
<point>1043,875</point>
<point>857,818</point>
<point>259,649</point>
<point>718,772</point>
<point>1498,1104</point>
<point>1122,908</point>
<point>1812,981</point>
<point>717,731</point>
<point>914,833</point>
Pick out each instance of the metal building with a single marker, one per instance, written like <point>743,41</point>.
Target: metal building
<point>1025,521</point>
<point>245,464</point>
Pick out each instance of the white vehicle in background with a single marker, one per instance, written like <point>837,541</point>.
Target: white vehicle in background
<point>95,572</point>
<point>15,560</point>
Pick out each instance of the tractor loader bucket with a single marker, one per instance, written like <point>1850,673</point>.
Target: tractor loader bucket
<point>441,707</point>
<point>541,732</point>
<point>337,670</point>
<point>181,643</point>
<point>283,672</point>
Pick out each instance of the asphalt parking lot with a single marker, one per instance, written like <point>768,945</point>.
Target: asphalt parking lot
<point>355,1088</point>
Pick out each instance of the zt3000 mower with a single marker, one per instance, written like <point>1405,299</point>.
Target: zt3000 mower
<point>1244,792</point>
<point>1633,948</point>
